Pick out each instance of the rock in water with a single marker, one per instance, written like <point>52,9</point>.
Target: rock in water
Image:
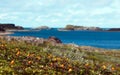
<point>54,39</point>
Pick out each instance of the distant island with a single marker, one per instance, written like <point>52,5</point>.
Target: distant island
<point>78,28</point>
<point>7,28</point>
<point>114,29</point>
<point>42,28</point>
<point>75,27</point>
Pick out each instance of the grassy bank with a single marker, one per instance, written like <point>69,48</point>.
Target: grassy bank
<point>21,58</point>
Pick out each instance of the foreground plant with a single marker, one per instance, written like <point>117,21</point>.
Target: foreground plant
<point>18,57</point>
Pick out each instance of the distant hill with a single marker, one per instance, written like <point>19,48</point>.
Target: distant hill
<point>4,27</point>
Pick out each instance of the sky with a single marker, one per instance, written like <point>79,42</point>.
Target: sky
<point>59,13</point>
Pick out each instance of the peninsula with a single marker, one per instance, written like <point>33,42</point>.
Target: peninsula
<point>7,28</point>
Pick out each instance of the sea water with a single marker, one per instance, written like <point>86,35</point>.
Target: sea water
<point>100,39</point>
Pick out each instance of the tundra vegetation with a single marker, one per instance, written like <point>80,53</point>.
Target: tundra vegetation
<point>22,58</point>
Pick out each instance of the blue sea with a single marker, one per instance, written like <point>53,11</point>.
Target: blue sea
<point>100,39</point>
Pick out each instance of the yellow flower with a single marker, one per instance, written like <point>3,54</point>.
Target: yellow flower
<point>18,53</point>
<point>28,55</point>
<point>2,45</point>
<point>49,56</point>
<point>112,68</point>
<point>62,65</point>
<point>54,59</point>
<point>104,67</point>
<point>70,69</point>
<point>51,64</point>
<point>12,62</point>
<point>16,49</point>
<point>38,58</point>
<point>59,59</point>
<point>87,65</point>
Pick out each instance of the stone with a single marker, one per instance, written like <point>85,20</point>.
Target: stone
<point>54,39</point>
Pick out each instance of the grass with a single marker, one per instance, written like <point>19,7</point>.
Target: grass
<point>20,58</point>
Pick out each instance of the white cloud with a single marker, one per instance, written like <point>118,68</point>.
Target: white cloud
<point>6,16</point>
<point>101,11</point>
<point>55,20</point>
<point>2,16</point>
<point>61,12</point>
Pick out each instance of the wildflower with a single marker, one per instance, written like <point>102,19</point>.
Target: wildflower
<point>62,65</point>
<point>51,64</point>
<point>29,62</point>
<point>16,49</point>
<point>87,65</point>
<point>104,67</point>
<point>12,62</point>
<point>2,45</point>
<point>41,66</point>
<point>38,58</point>
<point>18,53</point>
<point>28,55</point>
<point>70,69</point>
<point>54,59</point>
<point>112,68</point>
<point>49,56</point>
<point>59,59</point>
<point>67,59</point>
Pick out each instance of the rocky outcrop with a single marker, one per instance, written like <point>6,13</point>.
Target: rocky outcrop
<point>10,27</point>
<point>114,29</point>
<point>72,27</point>
<point>2,30</point>
<point>54,39</point>
<point>34,40</point>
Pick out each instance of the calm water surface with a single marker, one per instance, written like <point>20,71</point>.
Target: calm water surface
<point>108,40</point>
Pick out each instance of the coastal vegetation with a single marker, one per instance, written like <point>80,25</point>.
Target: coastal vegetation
<point>25,57</point>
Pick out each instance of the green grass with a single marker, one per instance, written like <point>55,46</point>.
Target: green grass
<point>20,58</point>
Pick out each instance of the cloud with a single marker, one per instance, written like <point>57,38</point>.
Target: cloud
<point>2,16</point>
<point>61,12</point>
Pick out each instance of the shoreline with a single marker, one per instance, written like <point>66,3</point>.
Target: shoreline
<point>5,33</point>
<point>38,41</point>
<point>18,30</point>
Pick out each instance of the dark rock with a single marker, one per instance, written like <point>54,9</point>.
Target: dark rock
<point>114,29</point>
<point>54,39</point>
<point>10,27</point>
<point>2,30</point>
<point>19,27</point>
